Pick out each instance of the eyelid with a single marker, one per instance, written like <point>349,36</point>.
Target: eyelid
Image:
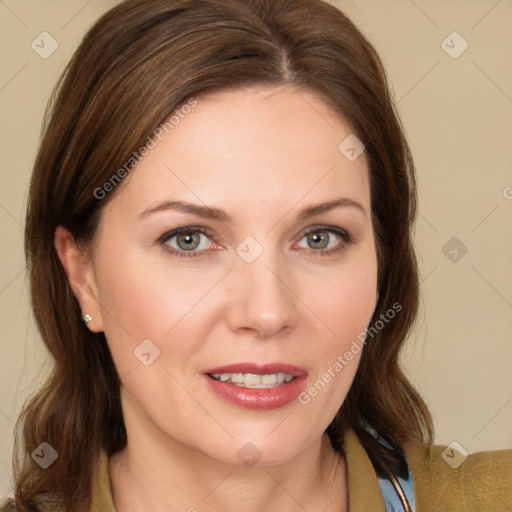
<point>324,227</point>
<point>185,229</point>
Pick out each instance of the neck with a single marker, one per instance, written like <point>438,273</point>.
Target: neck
<point>157,473</point>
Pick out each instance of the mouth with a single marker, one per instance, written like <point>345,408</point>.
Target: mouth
<point>255,386</point>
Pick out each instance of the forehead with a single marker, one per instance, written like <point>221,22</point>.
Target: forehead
<point>248,148</point>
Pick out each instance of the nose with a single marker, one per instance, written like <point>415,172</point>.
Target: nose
<point>263,298</point>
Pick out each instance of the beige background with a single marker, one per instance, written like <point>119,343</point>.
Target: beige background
<point>458,117</point>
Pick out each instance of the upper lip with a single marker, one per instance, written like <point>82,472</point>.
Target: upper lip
<point>259,369</point>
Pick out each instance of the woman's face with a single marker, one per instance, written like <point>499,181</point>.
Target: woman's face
<point>245,285</point>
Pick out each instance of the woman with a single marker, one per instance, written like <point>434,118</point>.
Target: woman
<point>197,159</point>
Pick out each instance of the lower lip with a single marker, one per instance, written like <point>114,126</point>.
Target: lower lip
<point>251,398</point>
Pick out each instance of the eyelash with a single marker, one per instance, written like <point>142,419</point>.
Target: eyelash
<point>343,234</point>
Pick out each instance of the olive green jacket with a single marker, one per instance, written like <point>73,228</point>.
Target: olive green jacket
<point>483,482</point>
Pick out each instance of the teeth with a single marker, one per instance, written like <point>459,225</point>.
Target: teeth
<point>251,380</point>
<point>237,378</point>
<point>269,379</point>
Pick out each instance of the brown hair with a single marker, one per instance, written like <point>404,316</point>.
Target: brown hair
<point>140,61</point>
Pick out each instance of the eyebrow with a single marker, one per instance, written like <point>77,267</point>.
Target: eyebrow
<point>208,212</point>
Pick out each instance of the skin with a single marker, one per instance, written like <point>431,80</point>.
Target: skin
<point>262,155</point>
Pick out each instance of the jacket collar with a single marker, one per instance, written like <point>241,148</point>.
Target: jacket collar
<point>364,494</point>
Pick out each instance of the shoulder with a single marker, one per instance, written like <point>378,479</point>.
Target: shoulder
<point>446,479</point>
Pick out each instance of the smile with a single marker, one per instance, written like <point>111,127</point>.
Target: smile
<point>257,386</point>
<point>252,380</point>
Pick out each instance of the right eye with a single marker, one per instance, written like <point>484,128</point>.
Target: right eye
<point>186,242</point>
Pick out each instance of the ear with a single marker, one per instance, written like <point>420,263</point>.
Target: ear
<point>81,277</point>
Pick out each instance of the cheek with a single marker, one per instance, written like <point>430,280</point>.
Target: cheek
<point>143,298</point>
<point>345,303</point>
<point>350,304</point>
<point>345,297</point>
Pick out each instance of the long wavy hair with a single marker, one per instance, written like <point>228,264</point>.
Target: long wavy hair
<point>134,67</point>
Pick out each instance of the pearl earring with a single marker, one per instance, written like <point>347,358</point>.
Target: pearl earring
<point>87,318</point>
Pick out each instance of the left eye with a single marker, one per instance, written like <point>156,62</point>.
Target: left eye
<point>322,238</point>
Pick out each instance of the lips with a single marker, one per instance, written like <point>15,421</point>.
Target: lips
<point>291,382</point>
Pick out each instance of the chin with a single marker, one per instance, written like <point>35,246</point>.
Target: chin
<point>263,450</point>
